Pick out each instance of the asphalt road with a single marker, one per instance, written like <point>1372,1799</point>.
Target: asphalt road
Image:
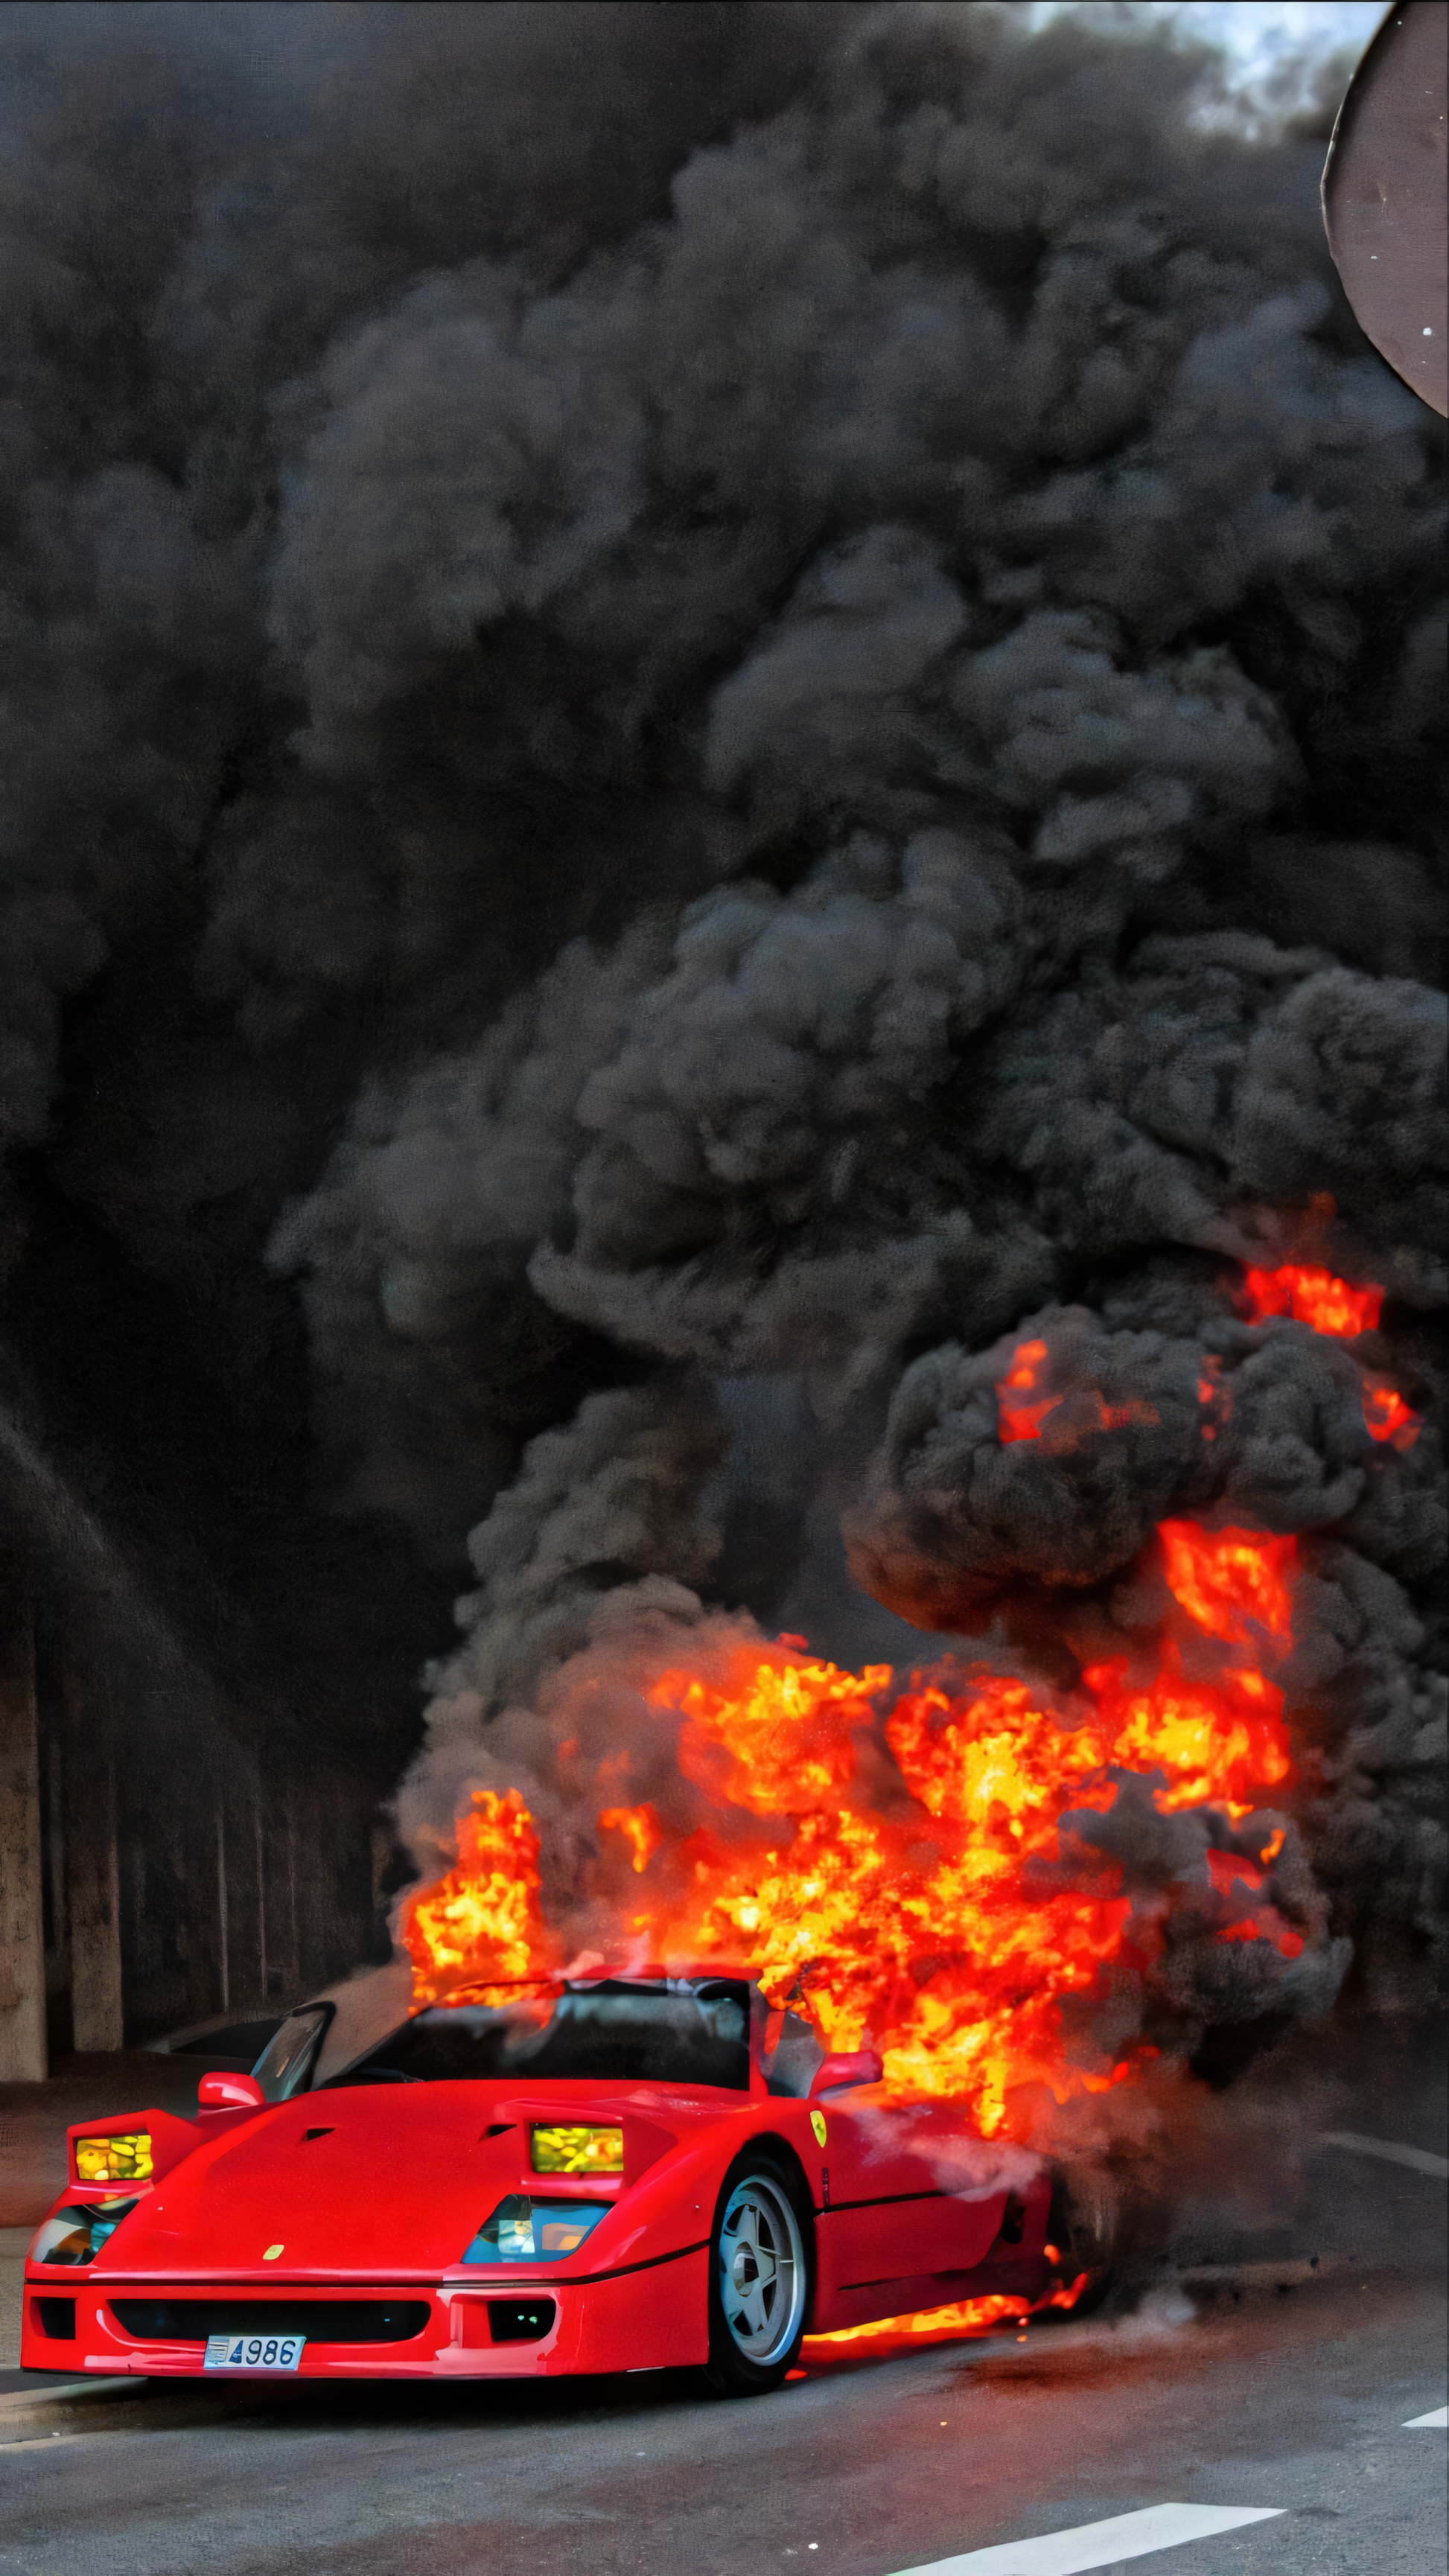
<point>1279,2373</point>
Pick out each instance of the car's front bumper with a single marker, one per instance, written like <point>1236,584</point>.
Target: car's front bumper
<point>651,2316</point>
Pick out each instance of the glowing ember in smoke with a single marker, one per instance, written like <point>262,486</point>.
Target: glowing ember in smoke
<point>1225,1868</point>
<point>1266,1926</point>
<point>1312,1297</point>
<point>1088,1411</point>
<point>1387,1416</point>
<point>1331,1306</point>
<point>1230,1580</point>
<point>1022,1421</point>
<point>1212,1393</point>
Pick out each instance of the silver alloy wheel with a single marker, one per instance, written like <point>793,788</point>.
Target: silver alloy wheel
<point>761,2258</point>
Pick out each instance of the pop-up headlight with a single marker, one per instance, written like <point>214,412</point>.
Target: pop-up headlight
<point>535,2231</point>
<point>568,2147</point>
<point>120,2159</point>
<point>77,2235</point>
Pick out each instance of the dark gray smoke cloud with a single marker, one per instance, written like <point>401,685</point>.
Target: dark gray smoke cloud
<point>1259,1428</point>
<point>714,709</point>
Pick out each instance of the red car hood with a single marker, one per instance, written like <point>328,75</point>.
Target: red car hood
<point>398,2182</point>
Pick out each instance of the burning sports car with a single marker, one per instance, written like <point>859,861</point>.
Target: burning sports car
<point>578,2174</point>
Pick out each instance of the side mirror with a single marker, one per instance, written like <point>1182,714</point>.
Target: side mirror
<point>861,2066</point>
<point>230,2093</point>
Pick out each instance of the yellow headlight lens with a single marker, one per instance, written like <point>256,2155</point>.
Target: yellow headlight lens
<point>567,2149</point>
<point>126,2159</point>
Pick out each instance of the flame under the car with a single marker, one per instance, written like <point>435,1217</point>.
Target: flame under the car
<point>962,2317</point>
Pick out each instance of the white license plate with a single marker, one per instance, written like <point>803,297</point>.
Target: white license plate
<point>253,2352</point>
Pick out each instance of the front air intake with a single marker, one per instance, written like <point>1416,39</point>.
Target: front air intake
<point>520,2320</point>
<point>320,2320</point>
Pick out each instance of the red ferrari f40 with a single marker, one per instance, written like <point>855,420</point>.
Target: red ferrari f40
<point>594,2174</point>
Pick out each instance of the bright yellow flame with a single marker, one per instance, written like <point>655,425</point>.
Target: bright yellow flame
<point>125,2159</point>
<point>483,1916</point>
<point>568,2149</point>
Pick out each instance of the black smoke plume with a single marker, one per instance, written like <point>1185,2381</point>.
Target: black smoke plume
<point>711,709</point>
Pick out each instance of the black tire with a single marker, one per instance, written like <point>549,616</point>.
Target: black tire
<point>1086,2225</point>
<point>761,2268</point>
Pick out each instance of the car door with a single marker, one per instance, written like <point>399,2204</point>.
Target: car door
<point>910,2199</point>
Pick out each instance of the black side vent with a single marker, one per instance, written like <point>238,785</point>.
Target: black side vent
<point>55,2318</point>
<point>1013,2220</point>
<point>520,2320</point>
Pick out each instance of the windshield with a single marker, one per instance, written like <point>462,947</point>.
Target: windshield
<point>614,2031</point>
<point>286,2063</point>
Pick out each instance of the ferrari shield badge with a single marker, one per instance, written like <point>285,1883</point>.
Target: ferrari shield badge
<point>817,2123</point>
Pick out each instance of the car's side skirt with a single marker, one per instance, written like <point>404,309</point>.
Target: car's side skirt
<point>859,2303</point>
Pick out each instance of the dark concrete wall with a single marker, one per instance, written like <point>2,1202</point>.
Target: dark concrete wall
<point>191,1862</point>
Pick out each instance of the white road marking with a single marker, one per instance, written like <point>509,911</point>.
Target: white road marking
<point>1437,2422</point>
<point>1418,2159</point>
<point>1101,2544</point>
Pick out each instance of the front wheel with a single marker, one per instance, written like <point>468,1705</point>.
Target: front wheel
<point>759,2277</point>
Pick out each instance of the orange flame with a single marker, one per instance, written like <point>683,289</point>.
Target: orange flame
<point>640,1827</point>
<point>483,1918</point>
<point>964,2317</point>
<point>1219,1743</point>
<point>771,1737</point>
<point>1312,1297</point>
<point>931,1917</point>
